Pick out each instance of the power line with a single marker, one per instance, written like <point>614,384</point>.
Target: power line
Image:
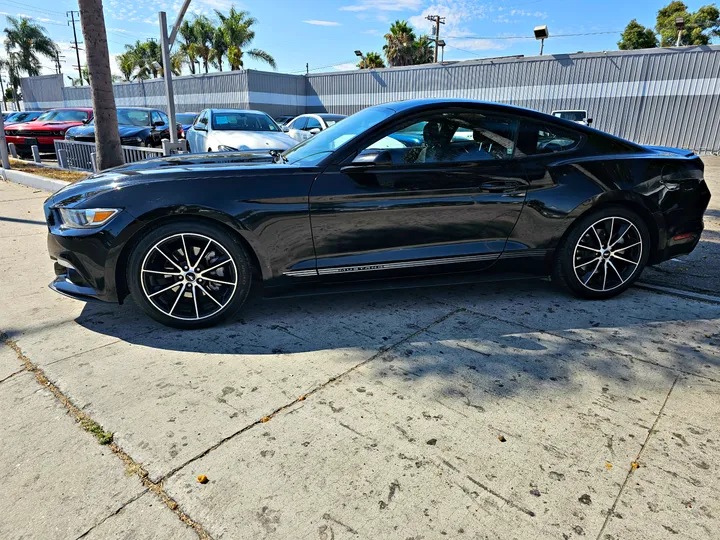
<point>533,37</point>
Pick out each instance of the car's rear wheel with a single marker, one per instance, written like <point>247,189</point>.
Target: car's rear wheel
<point>605,252</point>
<point>189,274</point>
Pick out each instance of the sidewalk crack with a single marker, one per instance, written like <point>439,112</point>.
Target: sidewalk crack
<point>634,465</point>
<point>103,437</point>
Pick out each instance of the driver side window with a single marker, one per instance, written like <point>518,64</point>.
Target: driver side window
<point>451,138</point>
<point>202,120</point>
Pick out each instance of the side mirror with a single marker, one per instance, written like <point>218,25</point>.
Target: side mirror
<point>369,159</point>
<point>199,127</point>
<point>589,121</point>
<point>158,123</point>
<point>314,131</point>
<point>285,128</point>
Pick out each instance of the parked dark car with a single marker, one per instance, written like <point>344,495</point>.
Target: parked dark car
<point>186,119</point>
<point>490,188</point>
<point>283,119</point>
<point>137,126</point>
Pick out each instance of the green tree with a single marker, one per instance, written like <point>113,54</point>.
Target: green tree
<point>399,46</point>
<point>637,36</point>
<point>403,48</point>
<point>219,48</point>
<point>188,44</point>
<point>203,31</point>
<point>237,30</point>
<point>29,42</point>
<point>700,26</point>
<point>127,62</point>
<point>372,60</point>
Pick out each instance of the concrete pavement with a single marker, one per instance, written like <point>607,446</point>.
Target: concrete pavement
<point>492,411</point>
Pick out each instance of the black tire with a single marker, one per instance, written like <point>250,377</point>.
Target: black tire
<point>205,295</point>
<point>583,264</point>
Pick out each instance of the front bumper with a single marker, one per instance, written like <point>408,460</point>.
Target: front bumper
<point>25,144</point>
<point>86,260</point>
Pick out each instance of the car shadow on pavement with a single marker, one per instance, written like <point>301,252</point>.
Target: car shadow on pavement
<point>498,330</point>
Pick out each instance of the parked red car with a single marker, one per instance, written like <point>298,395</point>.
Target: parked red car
<point>47,128</point>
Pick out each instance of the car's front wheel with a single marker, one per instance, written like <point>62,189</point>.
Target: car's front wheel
<point>189,274</point>
<point>604,253</point>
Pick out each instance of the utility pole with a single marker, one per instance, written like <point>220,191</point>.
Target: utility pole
<point>166,43</point>
<point>72,21</point>
<point>58,69</point>
<point>2,89</point>
<point>438,20</point>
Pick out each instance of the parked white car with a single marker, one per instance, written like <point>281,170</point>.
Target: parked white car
<point>576,115</point>
<point>236,129</point>
<point>306,125</point>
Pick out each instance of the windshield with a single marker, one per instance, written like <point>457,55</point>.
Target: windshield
<point>239,121</point>
<point>133,117</point>
<point>186,118</point>
<point>314,149</point>
<point>573,116</point>
<point>64,115</point>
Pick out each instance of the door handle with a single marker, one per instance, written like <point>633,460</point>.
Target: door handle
<point>498,186</point>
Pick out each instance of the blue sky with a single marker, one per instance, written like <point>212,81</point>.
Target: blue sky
<point>324,33</point>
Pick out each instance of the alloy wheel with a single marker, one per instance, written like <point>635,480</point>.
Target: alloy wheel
<point>189,276</point>
<point>608,254</point>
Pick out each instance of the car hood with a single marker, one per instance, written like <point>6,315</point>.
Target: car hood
<point>162,169</point>
<point>89,130</point>
<point>253,140</point>
<point>48,126</point>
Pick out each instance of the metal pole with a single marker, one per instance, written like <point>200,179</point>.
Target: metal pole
<point>176,28</point>
<point>77,49</point>
<point>3,146</point>
<point>437,36</point>
<point>2,89</point>
<point>679,39</point>
<point>167,71</point>
<point>542,46</point>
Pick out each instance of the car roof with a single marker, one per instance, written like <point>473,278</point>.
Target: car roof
<point>249,111</point>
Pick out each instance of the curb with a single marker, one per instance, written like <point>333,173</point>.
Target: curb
<point>33,180</point>
<point>678,292</point>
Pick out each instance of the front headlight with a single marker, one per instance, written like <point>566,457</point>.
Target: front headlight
<point>86,218</point>
<point>224,148</point>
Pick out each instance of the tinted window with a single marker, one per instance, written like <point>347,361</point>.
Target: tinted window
<point>451,137</point>
<point>133,117</point>
<point>241,121</point>
<point>298,123</point>
<point>158,117</point>
<point>313,123</point>
<point>537,138</point>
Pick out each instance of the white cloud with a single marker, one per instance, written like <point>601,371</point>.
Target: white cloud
<point>345,67</point>
<point>524,13</point>
<point>322,23</point>
<point>372,32</point>
<point>383,5</point>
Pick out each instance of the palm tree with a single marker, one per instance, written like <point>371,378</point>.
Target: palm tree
<point>237,29</point>
<point>10,65</point>
<point>372,60</point>
<point>187,48</point>
<point>399,47</point>
<point>204,32</point>
<point>28,40</point>
<point>219,48</point>
<point>107,136</point>
<point>424,52</point>
<point>127,62</point>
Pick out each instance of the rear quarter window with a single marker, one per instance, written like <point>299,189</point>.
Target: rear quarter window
<point>537,138</point>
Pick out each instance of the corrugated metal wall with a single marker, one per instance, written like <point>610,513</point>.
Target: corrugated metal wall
<point>666,97</point>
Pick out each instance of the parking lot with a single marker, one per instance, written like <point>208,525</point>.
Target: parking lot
<point>498,411</point>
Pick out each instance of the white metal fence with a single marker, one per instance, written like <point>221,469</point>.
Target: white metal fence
<point>78,155</point>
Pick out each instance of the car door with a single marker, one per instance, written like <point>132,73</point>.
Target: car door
<point>296,127</point>
<point>446,197</point>
<point>313,127</point>
<point>197,135</point>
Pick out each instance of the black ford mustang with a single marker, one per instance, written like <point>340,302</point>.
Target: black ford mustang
<point>415,190</point>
